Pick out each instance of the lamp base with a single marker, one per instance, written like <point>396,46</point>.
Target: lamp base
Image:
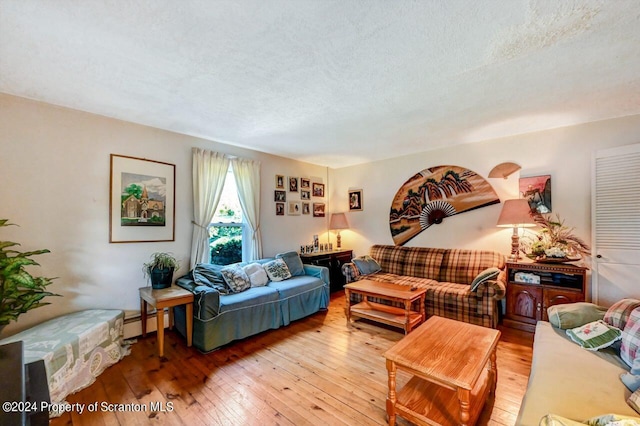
<point>515,246</point>
<point>338,242</point>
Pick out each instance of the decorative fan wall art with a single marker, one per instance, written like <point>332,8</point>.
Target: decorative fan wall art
<point>433,194</point>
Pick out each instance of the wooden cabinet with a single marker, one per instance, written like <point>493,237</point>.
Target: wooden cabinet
<point>332,260</point>
<point>527,302</point>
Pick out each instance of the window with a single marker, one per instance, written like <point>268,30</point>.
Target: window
<point>226,229</point>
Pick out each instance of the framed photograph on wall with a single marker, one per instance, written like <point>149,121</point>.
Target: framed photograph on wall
<point>306,208</point>
<point>318,209</point>
<point>142,197</point>
<point>318,189</point>
<point>305,195</point>
<point>279,209</point>
<point>305,183</point>
<point>355,200</point>
<point>294,208</point>
<point>279,196</point>
<point>279,181</point>
<point>537,191</point>
<point>293,184</point>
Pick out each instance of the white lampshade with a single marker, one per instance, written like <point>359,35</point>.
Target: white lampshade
<point>338,221</point>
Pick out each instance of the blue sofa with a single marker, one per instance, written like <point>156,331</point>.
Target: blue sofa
<point>222,318</point>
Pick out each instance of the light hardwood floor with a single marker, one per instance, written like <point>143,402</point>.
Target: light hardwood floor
<point>316,371</point>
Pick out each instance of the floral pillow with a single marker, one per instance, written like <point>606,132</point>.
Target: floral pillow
<point>277,270</point>
<point>595,335</point>
<point>236,278</point>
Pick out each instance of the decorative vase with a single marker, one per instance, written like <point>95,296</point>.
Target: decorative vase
<point>161,278</point>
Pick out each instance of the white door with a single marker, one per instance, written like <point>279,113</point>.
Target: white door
<point>616,224</point>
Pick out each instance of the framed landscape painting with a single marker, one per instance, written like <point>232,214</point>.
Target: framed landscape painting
<point>141,200</point>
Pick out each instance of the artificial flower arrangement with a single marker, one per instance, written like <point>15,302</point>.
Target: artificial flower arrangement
<point>555,242</point>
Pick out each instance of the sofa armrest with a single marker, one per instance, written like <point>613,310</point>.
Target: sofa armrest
<point>495,289</point>
<point>318,272</point>
<point>206,300</point>
<point>350,271</point>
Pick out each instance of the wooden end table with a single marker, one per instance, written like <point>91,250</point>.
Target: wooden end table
<point>166,298</point>
<point>390,315</point>
<point>454,370</point>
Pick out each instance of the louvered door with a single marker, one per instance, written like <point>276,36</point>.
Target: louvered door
<point>616,224</point>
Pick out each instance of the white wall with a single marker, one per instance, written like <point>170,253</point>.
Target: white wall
<point>563,153</point>
<point>54,174</point>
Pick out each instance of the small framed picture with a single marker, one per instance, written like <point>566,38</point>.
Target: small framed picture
<point>306,208</point>
<point>293,184</point>
<point>279,182</point>
<point>305,195</point>
<point>305,183</point>
<point>318,189</point>
<point>280,196</point>
<point>279,209</point>
<point>294,208</point>
<point>355,199</point>
<point>318,209</point>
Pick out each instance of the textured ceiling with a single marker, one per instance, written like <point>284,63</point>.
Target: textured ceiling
<point>333,83</point>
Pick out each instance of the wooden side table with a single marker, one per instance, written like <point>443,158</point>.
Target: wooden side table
<point>166,298</point>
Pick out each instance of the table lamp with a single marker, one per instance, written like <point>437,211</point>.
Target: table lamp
<point>338,221</point>
<point>515,214</point>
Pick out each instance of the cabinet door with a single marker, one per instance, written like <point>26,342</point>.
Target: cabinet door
<point>524,303</point>
<point>558,297</point>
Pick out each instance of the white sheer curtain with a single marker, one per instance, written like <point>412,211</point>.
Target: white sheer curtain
<point>247,175</point>
<point>209,172</point>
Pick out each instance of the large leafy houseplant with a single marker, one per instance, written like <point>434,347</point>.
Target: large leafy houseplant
<point>19,290</point>
<point>554,240</point>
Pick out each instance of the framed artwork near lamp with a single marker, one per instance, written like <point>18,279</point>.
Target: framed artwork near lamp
<point>318,190</point>
<point>355,200</point>
<point>537,191</point>
<point>318,209</point>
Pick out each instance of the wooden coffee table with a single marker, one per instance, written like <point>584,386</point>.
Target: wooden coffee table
<point>454,370</point>
<point>390,315</point>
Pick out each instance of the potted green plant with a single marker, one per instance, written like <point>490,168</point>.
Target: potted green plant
<point>160,269</point>
<point>19,290</point>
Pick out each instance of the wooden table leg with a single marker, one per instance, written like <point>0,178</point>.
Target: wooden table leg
<point>347,295</point>
<point>422,308</point>
<point>464,397</point>
<point>189,323</point>
<point>407,311</point>
<point>493,372</point>
<point>143,316</point>
<point>170,318</point>
<point>160,331</point>
<point>392,396</point>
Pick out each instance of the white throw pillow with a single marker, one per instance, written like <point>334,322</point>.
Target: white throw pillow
<point>257,274</point>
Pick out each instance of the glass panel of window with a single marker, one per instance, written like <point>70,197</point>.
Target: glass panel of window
<point>225,231</point>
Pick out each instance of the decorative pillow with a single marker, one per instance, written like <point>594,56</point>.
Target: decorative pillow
<point>366,264</point>
<point>634,401</point>
<point>209,274</point>
<point>631,342</point>
<point>293,261</point>
<point>257,276</point>
<point>236,278</point>
<point>277,270</point>
<point>554,420</point>
<point>618,314</point>
<point>613,420</point>
<point>595,335</point>
<point>572,315</point>
<point>483,276</point>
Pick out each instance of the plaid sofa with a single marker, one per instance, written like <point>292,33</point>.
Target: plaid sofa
<point>446,274</point>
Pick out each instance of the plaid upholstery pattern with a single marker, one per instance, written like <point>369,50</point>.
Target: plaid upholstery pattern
<point>350,272</point>
<point>462,266</point>
<point>425,268</point>
<point>618,314</point>
<point>390,258</point>
<point>631,338</point>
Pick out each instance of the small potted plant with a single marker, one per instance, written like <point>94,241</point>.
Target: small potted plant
<point>160,269</point>
<point>555,242</point>
<point>19,290</point>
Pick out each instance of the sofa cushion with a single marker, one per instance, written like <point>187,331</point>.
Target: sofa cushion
<point>572,315</point>
<point>423,262</point>
<point>462,266</point>
<point>257,275</point>
<point>366,264</point>
<point>248,298</point>
<point>483,276</point>
<point>618,314</point>
<point>236,278</point>
<point>277,270</point>
<point>595,335</point>
<point>209,274</point>
<point>295,285</point>
<point>390,258</point>
<point>631,342</point>
<point>293,261</point>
